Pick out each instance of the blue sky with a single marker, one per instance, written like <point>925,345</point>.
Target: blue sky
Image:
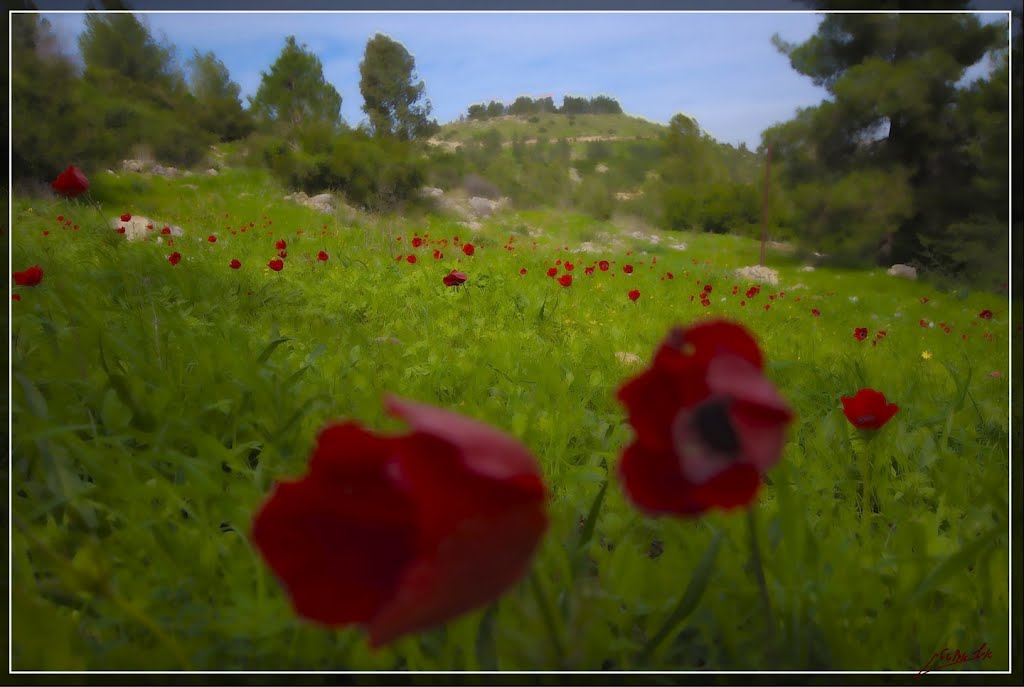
<point>719,68</point>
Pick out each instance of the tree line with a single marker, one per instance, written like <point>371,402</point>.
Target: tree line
<point>524,106</point>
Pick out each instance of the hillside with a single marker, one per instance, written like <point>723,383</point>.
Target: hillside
<point>584,127</point>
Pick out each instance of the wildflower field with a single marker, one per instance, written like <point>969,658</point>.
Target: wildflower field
<point>160,390</point>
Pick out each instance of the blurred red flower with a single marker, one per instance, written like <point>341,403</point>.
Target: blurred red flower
<point>417,242</point>
<point>860,333</point>
<point>815,312</point>
<point>468,249</point>
<point>174,258</point>
<point>868,409</point>
<point>276,264</point>
<point>985,314</point>
<point>552,271</point>
<point>603,265</point>
<point>634,295</point>
<point>565,280</point>
<point>235,264</point>
<point>455,278</point>
<point>30,276</point>
<point>211,238</point>
<point>126,217</point>
<point>322,256</point>
<point>707,422</point>
<point>401,533</point>
<point>628,269</point>
<point>411,259</point>
<point>71,182</point>
<point>280,244</point>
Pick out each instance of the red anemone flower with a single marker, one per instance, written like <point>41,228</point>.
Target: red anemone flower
<point>628,269</point>
<point>868,409</point>
<point>985,314</point>
<point>126,217</point>
<point>552,271</point>
<point>860,333</point>
<point>29,277</point>
<point>276,264</point>
<point>522,271</point>
<point>165,230</point>
<point>815,312</point>
<point>455,278</point>
<point>235,264</point>
<point>411,259</point>
<point>417,242</point>
<point>468,249</point>
<point>400,533</point>
<point>565,280</point>
<point>71,182</point>
<point>322,256</point>
<point>707,422</point>
<point>603,265</point>
<point>281,244</point>
<point>588,270</point>
<point>634,295</point>
<point>174,258</point>
<point>211,238</point>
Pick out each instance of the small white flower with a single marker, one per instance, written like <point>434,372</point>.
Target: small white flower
<point>854,299</point>
<point>897,314</point>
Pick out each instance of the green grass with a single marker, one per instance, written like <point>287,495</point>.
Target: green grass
<point>154,406</point>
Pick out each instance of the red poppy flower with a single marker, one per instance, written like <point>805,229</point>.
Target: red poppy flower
<point>588,270</point>
<point>522,271</point>
<point>235,264</point>
<point>15,296</point>
<point>923,323</point>
<point>276,265</point>
<point>815,312</point>
<point>565,280</point>
<point>165,230</point>
<point>924,299</point>
<point>552,271</point>
<point>401,533</point>
<point>126,217</point>
<point>455,278</point>
<point>71,182</point>
<point>985,314</point>
<point>753,291</point>
<point>411,259</point>
<point>603,265</point>
<point>569,267</point>
<point>705,302</point>
<point>628,269</point>
<point>29,277</point>
<point>174,258</point>
<point>211,238</point>
<point>860,333</point>
<point>438,254</point>
<point>468,249</point>
<point>868,409</point>
<point>707,288</point>
<point>322,256</point>
<point>707,422</point>
<point>634,295</point>
<point>119,230</point>
<point>281,244</point>
<point>670,275</point>
<point>282,254</point>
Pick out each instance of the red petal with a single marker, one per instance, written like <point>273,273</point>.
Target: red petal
<point>654,483</point>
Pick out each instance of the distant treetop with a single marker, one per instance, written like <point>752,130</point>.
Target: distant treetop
<point>524,105</point>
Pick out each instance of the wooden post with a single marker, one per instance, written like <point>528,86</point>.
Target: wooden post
<point>764,204</point>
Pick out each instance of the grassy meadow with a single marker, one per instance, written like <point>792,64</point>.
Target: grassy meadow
<point>153,406</point>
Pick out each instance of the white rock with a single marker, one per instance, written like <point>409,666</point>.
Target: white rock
<point>905,271</point>
<point>137,228</point>
<point>483,206</point>
<point>807,268</point>
<point>627,358</point>
<point>759,273</point>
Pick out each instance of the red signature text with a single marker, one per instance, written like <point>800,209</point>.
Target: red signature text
<point>951,657</point>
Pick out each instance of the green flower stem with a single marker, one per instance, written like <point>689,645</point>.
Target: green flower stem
<point>98,208</point>
<point>549,618</point>
<point>762,585</point>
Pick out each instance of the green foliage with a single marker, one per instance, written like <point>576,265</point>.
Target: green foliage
<point>294,92</point>
<point>897,102</point>
<point>119,43</point>
<point>217,99</point>
<point>393,102</point>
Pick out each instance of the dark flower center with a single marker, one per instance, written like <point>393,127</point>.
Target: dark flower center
<point>865,418</point>
<point>711,420</point>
